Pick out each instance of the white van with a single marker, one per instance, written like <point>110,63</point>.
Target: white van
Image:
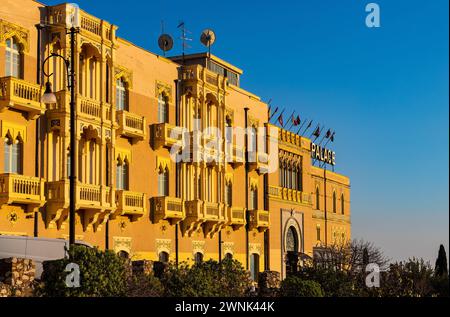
<point>37,249</point>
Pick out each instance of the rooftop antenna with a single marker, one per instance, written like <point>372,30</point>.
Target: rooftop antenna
<point>208,38</point>
<point>184,38</point>
<point>165,41</point>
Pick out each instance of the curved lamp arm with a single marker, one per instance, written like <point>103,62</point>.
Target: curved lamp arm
<point>66,63</point>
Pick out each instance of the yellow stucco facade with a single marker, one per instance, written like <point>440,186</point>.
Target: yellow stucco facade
<point>133,106</point>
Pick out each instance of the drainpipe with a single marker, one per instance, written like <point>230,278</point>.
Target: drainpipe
<point>177,177</point>
<point>247,215</point>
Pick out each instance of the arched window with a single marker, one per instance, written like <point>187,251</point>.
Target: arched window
<point>334,202</point>
<point>254,199</point>
<point>122,171</point>
<point>292,240</point>
<point>318,233</point>
<point>164,257</point>
<point>123,255</point>
<point>229,194</point>
<point>163,113</point>
<point>253,146</point>
<point>254,266</point>
<point>163,183</point>
<point>13,58</point>
<point>281,172</point>
<point>198,258</point>
<point>121,95</point>
<point>342,204</point>
<point>13,156</point>
<point>317,198</point>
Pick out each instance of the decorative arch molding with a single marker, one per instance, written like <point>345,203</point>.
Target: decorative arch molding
<point>122,244</point>
<point>11,30</point>
<point>293,223</point>
<point>164,89</point>
<point>198,247</point>
<point>13,131</point>
<point>254,184</point>
<point>123,155</point>
<point>228,247</point>
<point>163,245</point>
<point>125,74</point>
<point>162,164</point>
<point>255,248</point>
<point>229,179</point>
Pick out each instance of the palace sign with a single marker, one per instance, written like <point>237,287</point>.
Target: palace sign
<point>324,155</point>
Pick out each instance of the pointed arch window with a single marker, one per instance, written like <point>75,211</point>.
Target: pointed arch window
<point>342,204</point>
<point>13,153</point>
<point>229,194</point>
<point>334,202</point>
<point>163,183</point>
<point>121,95</point>
<point>163,112</point>
<point>122,175</point>
<point>317,198</point>
<point>13,58</point>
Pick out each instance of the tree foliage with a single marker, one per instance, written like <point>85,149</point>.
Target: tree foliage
<point>207,279</point>
<point>294,286</point>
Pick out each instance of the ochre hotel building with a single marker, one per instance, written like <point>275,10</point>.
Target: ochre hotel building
<point>132,197</point>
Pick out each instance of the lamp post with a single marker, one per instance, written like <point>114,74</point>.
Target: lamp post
<point>49,98</point>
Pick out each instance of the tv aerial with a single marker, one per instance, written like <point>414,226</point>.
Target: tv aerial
<point>208,38</point>
<point>165,43</point>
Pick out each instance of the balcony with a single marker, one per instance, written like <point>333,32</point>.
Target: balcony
<point>24,190</point>
<point>236,156</point>
<point>95,201</point>
<point>259,220</point>
<point>203,75</point>
<point>259,162</point>
<point>131,204</point>
<point>290,195</point>
<point>87,109</point>
<point>236,217</point>
<point>195,217</point>
<point>131,125</point>
<point>21,95</point>
<point>215,218</point>
<point>166,135</point>
<point>167,208</point>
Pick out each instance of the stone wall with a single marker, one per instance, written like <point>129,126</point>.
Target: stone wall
<point>16,277</point>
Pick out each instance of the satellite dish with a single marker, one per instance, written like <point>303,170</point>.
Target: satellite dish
<point>165,43</point>
<point>208,38</point>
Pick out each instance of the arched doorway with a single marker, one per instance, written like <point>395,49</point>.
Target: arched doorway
<point>292,241</point>
<point>292,250</point>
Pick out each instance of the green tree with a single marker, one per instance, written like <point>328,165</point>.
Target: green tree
<point>102,274</point>
<point>441,268</point>
<point>294,286</point>
<point>207,279</point>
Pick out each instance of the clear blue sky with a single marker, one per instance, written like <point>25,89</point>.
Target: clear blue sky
<point>385,92</point>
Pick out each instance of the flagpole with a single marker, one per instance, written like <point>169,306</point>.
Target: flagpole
<point>301,126</point>
<point>308,127</point>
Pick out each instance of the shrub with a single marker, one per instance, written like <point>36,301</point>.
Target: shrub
<point>334,283</point>
<point>208,279</point>
<point>142,285</point>
<point>294,286</point>
<point>102,274</point>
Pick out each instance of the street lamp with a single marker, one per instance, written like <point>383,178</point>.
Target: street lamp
<point>50,98</point>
